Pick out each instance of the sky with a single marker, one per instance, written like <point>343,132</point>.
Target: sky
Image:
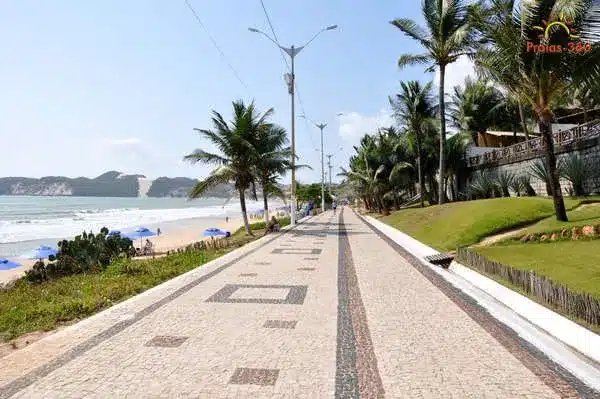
<point>98,85</point>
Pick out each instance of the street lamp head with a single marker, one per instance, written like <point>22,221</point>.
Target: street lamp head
<point>331,27</point>
<point>253,30</point>
<point>340,114</point>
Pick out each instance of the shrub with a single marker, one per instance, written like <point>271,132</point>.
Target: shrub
<point>483,185</point>
<point>526,187</point>
<point>85,253</point>
<point>541,170</point>
<point>575,171</point>
<point>504,181</point>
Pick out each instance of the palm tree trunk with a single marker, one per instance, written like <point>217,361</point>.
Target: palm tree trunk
<point>522,116</point>
<point>442,134</point>
<point>244,212</point>
<point>266,204</point>
<point>420,171</point>
<point>559,203</point>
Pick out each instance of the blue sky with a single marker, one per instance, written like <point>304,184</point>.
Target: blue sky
<point>118,85</point>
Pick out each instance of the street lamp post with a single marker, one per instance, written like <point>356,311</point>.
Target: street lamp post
<point>291,80</point>
<point>321,126</point>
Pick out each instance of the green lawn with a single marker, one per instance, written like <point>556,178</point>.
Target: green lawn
<point>43,307</point>
<point>465,223</point>
<point>573,263</point>
<point>588,214</point>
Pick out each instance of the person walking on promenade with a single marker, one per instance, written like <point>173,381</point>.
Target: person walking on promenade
<point>334,206</point>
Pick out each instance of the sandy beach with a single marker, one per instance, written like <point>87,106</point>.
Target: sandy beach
<point>174,235</point>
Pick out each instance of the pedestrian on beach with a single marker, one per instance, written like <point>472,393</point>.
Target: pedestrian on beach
<point>158,231</point>
<point>226,219</point>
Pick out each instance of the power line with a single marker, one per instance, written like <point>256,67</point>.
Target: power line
<point>274,35</point>
<point>214,42</point>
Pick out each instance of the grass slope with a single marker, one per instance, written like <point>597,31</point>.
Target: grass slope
<point>573,263</point>
<point>588,214</point>
<point>465,223</point>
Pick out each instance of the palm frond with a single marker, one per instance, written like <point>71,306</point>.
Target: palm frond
<point>412,30</point>
<point>413,59</point>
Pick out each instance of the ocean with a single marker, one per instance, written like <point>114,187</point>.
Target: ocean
<point>27,222</point>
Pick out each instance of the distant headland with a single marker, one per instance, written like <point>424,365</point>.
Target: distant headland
<point>109,184</point>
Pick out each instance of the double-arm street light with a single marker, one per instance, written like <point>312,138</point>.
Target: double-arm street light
<point>321,126</point>
<point>290,80</point>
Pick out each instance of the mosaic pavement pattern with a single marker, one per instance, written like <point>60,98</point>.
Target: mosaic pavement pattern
<point>329,309</point>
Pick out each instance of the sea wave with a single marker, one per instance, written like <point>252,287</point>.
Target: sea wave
<point>74,223</point>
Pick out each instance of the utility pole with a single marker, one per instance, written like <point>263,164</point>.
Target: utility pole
<point>330,166</point>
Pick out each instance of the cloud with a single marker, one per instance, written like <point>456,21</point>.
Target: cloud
<point>125,141</point>
<point>456,73</point>
<point>354,125</point>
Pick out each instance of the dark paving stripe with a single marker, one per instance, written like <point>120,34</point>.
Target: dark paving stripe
<point>369,380</point>
<point>26,380</point>
<point>346,376</point>
<point>565,384</point>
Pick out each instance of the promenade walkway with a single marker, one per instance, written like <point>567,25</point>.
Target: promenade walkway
<point>329,309</point>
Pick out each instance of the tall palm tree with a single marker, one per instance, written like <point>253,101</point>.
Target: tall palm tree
<point>271,159</point>
<point>413,107</point>
<point>447,36</point>
<point>235,142</point>
<point>541,78</point>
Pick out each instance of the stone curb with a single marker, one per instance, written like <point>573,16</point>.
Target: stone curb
<point>558,337</point>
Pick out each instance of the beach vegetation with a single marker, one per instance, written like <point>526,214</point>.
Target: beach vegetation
<point>85,253</point>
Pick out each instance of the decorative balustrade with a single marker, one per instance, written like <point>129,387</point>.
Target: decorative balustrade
<point>562,138</point>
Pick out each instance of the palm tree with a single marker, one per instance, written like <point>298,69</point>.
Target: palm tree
<point>235,142</point>
<point>414,108</point>
<point>475,107</point>
<point>541,78</point>
<point>447,36</point>
<point>272,158</point>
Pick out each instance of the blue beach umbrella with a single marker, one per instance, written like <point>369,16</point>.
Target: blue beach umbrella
<point>42,252</point>
<point>114,233</point>
<point>214,232</point>
<point>140,233</point>
<point>6,264</point>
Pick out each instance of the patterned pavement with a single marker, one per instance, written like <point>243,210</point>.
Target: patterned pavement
<point>329,309</point>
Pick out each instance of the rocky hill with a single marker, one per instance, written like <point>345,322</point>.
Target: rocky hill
<point>109,184</point>
<point>181,186</point>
